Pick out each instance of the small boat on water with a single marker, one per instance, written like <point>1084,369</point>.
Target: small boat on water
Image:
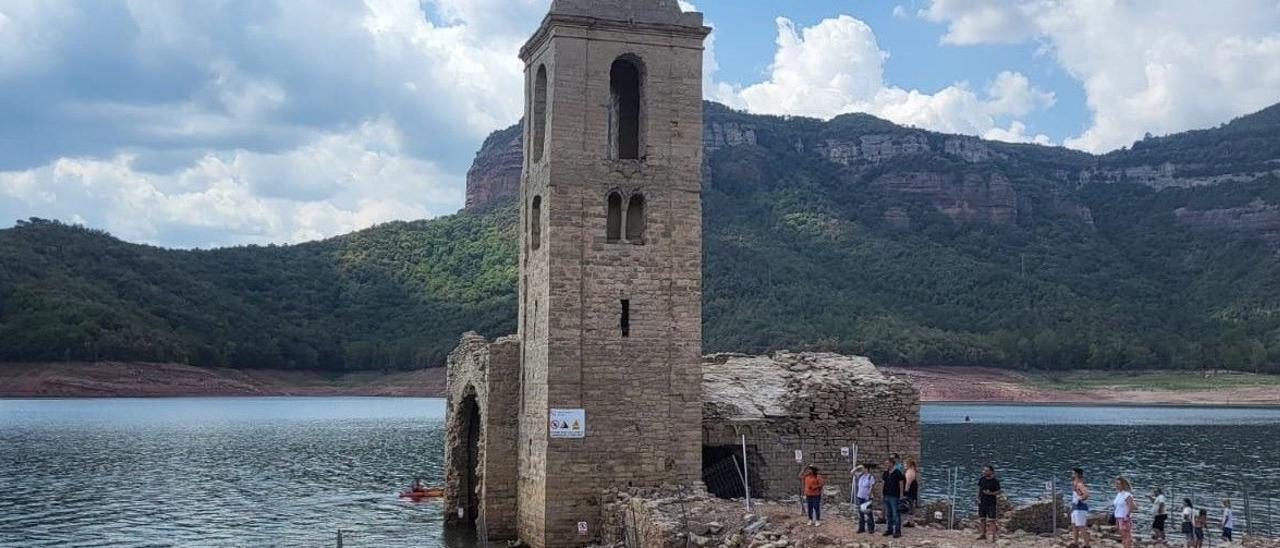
<point>421,494</point>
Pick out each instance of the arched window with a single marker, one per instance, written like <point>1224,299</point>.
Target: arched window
<point>535,224</point>
<point>625,87</point>
<point>539,114</point>
<point>613,222</point>
<point>635,219</point>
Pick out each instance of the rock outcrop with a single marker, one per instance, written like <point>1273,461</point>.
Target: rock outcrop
<point>1258,218</point>
<point>962,198</point>
<point>495,173</point>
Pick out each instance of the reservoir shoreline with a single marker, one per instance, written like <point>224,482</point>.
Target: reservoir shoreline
<point>952,385</point>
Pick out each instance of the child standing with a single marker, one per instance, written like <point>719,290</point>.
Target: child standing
<point>1228,520</point>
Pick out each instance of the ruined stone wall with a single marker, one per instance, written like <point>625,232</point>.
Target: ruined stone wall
<point>487,374</point>
<point>815,403</point>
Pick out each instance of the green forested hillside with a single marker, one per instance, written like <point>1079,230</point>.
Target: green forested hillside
<point>996,255</point>
<point>393,296</point>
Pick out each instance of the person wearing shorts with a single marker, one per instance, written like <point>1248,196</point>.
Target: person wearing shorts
<point>1162,515</point>
<point>988,494</point>
<point>1202,523</point>
<point>1125,507</point>
<point>1079,509</point>
<point>1188,522</point>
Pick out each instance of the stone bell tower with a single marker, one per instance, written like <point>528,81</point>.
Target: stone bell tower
<point>610,260</point>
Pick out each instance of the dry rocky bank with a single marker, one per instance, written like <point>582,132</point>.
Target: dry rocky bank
<point>669,519</point>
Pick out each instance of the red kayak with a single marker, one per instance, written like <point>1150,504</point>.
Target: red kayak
<point>432,493</point>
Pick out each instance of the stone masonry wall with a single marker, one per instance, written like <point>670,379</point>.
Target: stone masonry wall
<point>815,403</point>
<point>485,372</point>
<point>640,391</point>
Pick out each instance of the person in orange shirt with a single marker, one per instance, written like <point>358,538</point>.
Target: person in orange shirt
<point>813,484</point>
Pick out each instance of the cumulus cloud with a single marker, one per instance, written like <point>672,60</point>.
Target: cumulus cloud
<point>214,123</point>
<point>1158,66</point>
<point>836,67</point>
<point>350,181</point>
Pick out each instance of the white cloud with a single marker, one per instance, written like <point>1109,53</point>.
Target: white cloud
<point>982,21</point>
<point>836,67</point>
<point>334,184</point>
<point>1158,66</point>
<point>278,120</point>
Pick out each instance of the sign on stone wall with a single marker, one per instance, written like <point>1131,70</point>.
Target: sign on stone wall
<point>568,423</point>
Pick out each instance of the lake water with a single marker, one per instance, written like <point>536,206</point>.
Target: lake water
<point>293,471</point>
<point>1201,453</point>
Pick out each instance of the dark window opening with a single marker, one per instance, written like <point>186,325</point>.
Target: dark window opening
<point>722,469</point>
<point>613,229</point>
<point>625,90</point>
<point>535,224</point>
<point>539,115</point>
<point>626,318</point>
<point>635,219</point>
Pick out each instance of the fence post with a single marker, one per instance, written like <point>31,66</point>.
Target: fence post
<point>1248,515</point>
<point>1053,498</point>
<point>746,473</point>
<point>955,477</point>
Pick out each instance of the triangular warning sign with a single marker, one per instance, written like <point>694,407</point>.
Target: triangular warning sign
<point>575,425</point>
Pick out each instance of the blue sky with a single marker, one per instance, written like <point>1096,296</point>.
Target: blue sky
<point>745,33</point>
<point>226,122</point>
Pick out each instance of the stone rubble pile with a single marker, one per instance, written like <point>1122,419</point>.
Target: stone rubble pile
<point>670,518</point>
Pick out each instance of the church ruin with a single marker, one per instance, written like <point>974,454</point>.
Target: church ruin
<point>602,387</point>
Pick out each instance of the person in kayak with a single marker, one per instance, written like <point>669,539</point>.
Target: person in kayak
<point>417,486</point>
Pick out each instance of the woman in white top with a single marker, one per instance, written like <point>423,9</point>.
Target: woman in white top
<point>1125,506</point>
<point>1188,522</point>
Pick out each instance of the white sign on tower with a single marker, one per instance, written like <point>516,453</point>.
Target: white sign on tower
<point>568,423</point>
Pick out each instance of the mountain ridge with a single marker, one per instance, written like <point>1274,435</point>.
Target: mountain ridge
<point>854,235</point>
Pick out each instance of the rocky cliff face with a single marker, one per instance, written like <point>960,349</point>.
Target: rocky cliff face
<point>1258,218</point>
<point>963,198</point>
<point>966,179</point>
<point>495,173</point>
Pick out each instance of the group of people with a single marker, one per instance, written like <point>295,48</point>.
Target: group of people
<point>900,495</point>
<point>1195,522</point>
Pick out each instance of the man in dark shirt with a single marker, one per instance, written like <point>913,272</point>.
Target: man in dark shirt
<point>893,485</point>
<point>988,492</point>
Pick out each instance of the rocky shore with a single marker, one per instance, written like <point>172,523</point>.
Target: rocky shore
<point>671,519</point>
<point>151,380</point>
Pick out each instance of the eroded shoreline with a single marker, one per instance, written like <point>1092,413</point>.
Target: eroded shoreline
<point>957,385</point>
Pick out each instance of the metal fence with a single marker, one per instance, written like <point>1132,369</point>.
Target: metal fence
<point>1255,514</point>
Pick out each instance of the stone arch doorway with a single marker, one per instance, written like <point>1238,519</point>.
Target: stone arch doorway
<point>467,460</point>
